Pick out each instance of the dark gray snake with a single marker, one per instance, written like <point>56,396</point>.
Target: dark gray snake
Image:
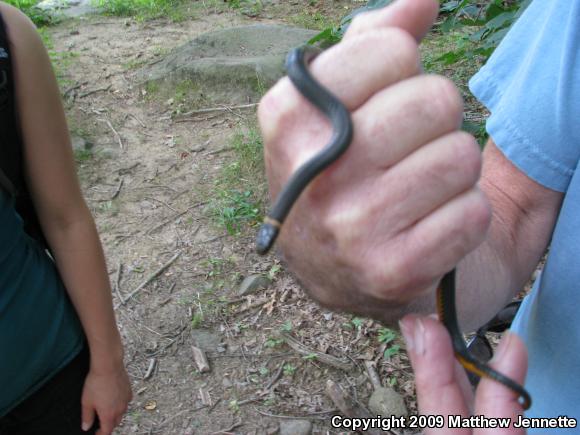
<point>297,69</point>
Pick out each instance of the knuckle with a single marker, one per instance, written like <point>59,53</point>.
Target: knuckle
<point>478,215</point>
<point>445,99</point>
<point>277,109</point>
<point>360,23</point>
<point>466,152</point>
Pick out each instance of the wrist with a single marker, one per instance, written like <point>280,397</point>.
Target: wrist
<point>106,357</point>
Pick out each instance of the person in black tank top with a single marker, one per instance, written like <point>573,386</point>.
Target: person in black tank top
<point>37,175</point>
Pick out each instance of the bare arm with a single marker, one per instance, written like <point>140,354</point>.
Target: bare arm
<point>523,217</point>
<point>63,214</point>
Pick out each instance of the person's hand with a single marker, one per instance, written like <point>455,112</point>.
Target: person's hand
<point>442,386</point>
<point>106,394</point>
<point>401,207</point>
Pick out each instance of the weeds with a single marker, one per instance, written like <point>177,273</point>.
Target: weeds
<point>38,16</point>
<point>237,198</point>
<point>142,9</point>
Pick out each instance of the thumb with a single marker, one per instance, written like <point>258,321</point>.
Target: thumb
<point>87,417</point>
<point>413,16</point>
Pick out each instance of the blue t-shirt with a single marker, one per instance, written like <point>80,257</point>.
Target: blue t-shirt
<point>39,329</point>
<point>531,85</point>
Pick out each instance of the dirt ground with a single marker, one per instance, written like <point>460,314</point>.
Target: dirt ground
<point>147,180</point>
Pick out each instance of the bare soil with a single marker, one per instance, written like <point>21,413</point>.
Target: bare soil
<point>148,182</point>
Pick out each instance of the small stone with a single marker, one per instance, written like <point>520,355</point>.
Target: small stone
<point>295,427</point>
<point>78,143</point>
<point>386,402</point>
<point>252,284</point>
<point>226,383</point>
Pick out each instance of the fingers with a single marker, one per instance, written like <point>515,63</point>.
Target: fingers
<point>431,354</point>
<point>354,71</point>
<point>87,416</point>
<point>493,398</point>
<point>413,16</point>
<point>403,117</point>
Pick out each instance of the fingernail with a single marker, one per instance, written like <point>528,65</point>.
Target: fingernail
<point>406,326</point>
<point>413,331</point>
<point>502,347</point>
<point>85,426</point>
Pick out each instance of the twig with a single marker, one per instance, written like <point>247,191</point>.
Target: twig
<point>229,429</point>
<point>373,375</point>
<point>117,284</point>
<point>149,279</point>
<point>150,369</point>
<point>296,417</point>
<point>322,357</point>
<point>116,134</point>
<point>94,91</point>
<point>200,360</point>
<point>138,120</point>
<point>116,193</point>
<point>219,109</point>
<point>174,217</point>
<point>348,406</point>
<point>276,376</point>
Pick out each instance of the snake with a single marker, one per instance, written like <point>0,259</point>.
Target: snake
<point>297,69</point>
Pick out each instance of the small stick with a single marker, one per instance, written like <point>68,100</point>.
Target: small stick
<point>373,375</point>
<point>229,429</point>
<point>174,217</point>
<point>200,360</point>
<point>150,369</point>
<point>276,376</point>
<point>116,193</point>
<point>119,140</point>
<point>148,280</point>
<point>94,91</point>
<point>322,357</point>
<point>118,281</point>
<point>219,109</point>
<point>348,406</point>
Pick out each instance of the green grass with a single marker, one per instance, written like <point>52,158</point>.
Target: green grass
<point>176,10</point>
<point>236,201</point>
<point>38,16</point>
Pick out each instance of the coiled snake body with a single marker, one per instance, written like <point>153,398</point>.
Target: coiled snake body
<point>297,69</point>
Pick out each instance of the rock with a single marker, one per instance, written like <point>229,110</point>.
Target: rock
<point>252,284</point>
<point>230,66</point>
<point>206,340</point>
<point>387,402</point>
<point>295,427</point>
<point>80,144</point>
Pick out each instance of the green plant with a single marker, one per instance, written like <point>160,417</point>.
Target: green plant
<point>236,200</point>
<point>37,15</point>
<point>387,336</point>
<point>289,370</point>
<point>142,9</point>
<point>274,342</point>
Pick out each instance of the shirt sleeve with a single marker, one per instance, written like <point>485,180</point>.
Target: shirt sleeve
<point>531,86</point>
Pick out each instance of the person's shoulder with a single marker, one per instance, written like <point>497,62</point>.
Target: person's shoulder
<point>20,29</point>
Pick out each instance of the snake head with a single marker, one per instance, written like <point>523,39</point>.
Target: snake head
<point>266,237</point>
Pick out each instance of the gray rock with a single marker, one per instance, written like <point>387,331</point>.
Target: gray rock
<point>80,144</point>
<point>206,340</point>
<point>295,427</point>
<point>231,66</point>
<point>387,402</point>
<point>252,284</point>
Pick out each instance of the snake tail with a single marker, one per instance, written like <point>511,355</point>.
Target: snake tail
<point>342,131</point>
<point>447,314</point>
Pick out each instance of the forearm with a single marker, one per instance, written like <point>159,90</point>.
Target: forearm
<point>523,216</point>
<point>80,261</point>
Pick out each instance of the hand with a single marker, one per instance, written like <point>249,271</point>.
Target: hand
<point>106,394</point>
<point>401,207</point>
<point>442,386</point>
